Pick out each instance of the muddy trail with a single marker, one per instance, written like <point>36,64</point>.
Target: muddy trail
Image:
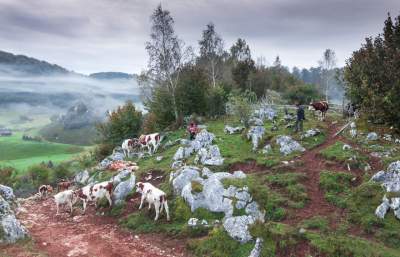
<point>85,235</point>
<point>312,164</point>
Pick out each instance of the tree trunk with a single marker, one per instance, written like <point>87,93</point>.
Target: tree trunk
<point>213,73</point>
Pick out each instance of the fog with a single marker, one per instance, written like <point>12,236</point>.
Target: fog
<point>54,95</point>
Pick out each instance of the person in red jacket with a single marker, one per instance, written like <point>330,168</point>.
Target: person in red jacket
<point>192,129</point>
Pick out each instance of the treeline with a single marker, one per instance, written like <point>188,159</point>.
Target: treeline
<point>178,82</point>
<point>372,75</point>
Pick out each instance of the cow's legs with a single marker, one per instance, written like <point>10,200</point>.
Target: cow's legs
<point>108,196</point>
<point>157,207</point>
<point>165,204</point>
<point>58,207</point>
<point>70,207</point>
<point>84,206</point>
<point>141,201</point>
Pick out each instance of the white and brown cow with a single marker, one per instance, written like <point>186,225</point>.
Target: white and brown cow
<point>67,197</point>
<point>150,141</point>
<point>321,106</point>
<point>92,193</point>
<point>127,146</point>
<point>153,196</point>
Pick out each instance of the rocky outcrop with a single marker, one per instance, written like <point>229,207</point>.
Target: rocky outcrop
<point>255,134</point>
<point>82,177</point>
<point>214,197</point>
<point>390,180</point>
<point>122,190</point>
<point>209,156</point>
<point>233,130</point>
<point>288,145</point>
<point>372,136</point>
<point>11,229</point>
<point>311,133</point>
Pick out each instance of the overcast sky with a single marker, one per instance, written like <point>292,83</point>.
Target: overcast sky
<point>109,35</point>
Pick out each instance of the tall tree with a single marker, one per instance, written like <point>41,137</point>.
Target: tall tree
<point>243,65</point>
<point>166,54</point>
<point>327,64</point>
<point>211,51</point>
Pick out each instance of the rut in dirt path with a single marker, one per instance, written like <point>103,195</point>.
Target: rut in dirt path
<point>312,165</point>
<point>89,235</point>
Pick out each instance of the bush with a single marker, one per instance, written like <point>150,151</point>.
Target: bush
<point>125,122</point>
<point>6,175</point>
<point>241,107</point>
<point>216,102</point>
<point>302,94</point>
<point>219,244</point>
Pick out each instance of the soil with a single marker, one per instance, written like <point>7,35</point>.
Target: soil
<point>85,235</point>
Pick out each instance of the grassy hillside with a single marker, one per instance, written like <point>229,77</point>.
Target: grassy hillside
<point>21,154</point>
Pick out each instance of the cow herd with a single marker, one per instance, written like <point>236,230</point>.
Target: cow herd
<point>67,196</point>
<point>149,142</point>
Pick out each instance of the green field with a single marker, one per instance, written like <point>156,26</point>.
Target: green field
<point>21,154</point>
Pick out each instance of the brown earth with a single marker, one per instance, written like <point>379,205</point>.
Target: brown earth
<point>85,235</point>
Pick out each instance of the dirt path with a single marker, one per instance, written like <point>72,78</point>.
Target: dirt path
<point>87,235</point>
<point>312,165</point>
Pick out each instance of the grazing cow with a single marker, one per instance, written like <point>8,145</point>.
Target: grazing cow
<point>127,146</point>
<point>67,197</point>
<point>154,196</point>
<point>321,106</point>
<point>151,142</point>
<point>63,185</point>
<point>92,193</point>
<point>44,190</point>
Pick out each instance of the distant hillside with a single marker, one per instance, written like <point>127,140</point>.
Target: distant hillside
<point>111,75</point>
<point>11,64</point>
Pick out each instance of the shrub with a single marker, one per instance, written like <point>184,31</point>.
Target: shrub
<point>6,175</point>
<point>219,244</point>
<point>125,122</point>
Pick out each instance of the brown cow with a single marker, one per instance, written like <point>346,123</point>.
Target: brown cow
<point>63,185</point>
<point>321,106</point>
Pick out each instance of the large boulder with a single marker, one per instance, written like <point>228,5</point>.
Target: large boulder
<point>203,139</point>
<point>7,193</point>
<point>288,145</point>
<point>183,153</point>
<point>11,229</point>
<point>238,227</point>
<point>265,113</point>
<point>372,136</point>
<point>209,156</point>
<point>256,252</point>
<point>311,133</point>
<point>82,177</point>
<point>123,189</point>
<point>255,134</point>
<point>121,176</point>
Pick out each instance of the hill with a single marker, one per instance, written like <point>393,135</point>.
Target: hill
<point>12,64</point>
<point>111,75</point>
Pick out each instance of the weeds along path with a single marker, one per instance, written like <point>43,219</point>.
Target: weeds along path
<point>88,235</point>
<point>311,165</point>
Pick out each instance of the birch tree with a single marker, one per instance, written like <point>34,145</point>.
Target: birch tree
<point>211,51</point>
<point>327,64</point>
<point>166,54</point>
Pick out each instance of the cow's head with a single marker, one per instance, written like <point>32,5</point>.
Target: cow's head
<point>139,187</point>
<point>49,188</point>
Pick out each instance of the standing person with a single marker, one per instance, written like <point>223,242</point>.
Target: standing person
<point>192,129</point>
<point>300,118</point>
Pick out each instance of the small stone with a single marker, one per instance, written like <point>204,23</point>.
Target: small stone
<point>302,231</point>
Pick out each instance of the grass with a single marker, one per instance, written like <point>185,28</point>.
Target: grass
<point>21,154</point>
<point>351,157</point>
<point>219,244</point>
<point>337,187</point>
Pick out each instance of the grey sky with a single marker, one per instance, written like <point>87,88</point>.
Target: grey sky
<point>109,35</point>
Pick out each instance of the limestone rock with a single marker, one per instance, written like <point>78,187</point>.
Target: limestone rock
<point>255,134</point>
<point>238,227</point>
<point>233,130</point>
<point>82,177</point>
<point>288,145</point>
<point>122,190</point>
<point>372,136</point>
